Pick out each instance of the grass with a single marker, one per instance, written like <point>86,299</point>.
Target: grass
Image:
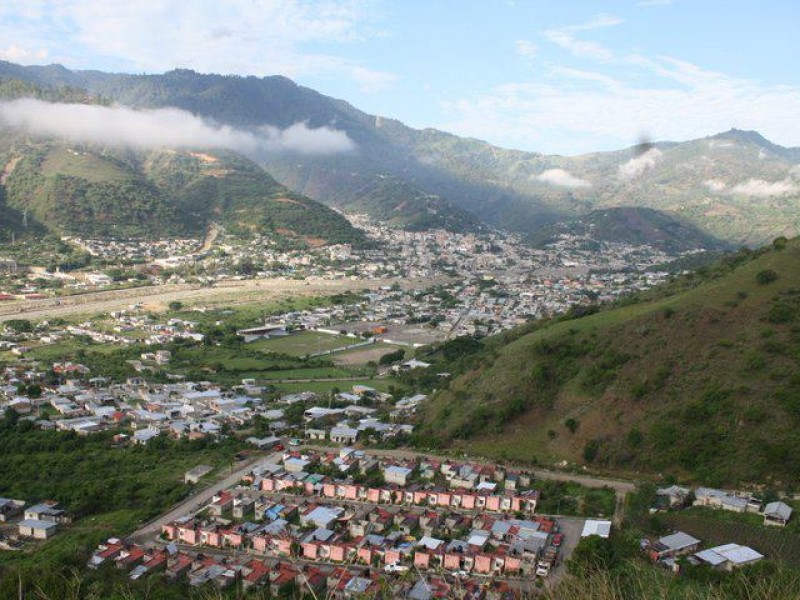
<point>696,382</point>
<point>716,527</point>
<point>324,387</point>
<point>304,343</point>
<point>85,166</point>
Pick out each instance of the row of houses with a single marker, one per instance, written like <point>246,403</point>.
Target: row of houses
<point>329,581</point>
<point>776,513</point>
<point>291,526</point>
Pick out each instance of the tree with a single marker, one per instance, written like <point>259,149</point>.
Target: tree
<point>591,555</point>
<point>175,305</point>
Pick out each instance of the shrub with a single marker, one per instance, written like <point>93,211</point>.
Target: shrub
<point>571,424</point>
<point>766,276</point>
<point>590,450</point>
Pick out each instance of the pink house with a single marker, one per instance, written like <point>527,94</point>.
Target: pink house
<point>493,503</point>
<point>210,537</point>
<point>188,535</point>
<point>351,492</point>
<point>232,538</point>
<point>468,501</point>
<point>268,485</point>
<point>329,490</point>
<point>170,531</point>
<point>260,544</point>
<point>338,552</point>
<point>420,496</point>
<point>422,560</point>
<point>373,495</point>
<point>483,564</point>
<point>444,498</point>
<point>392,556</point>
<point>365,554</point>
<point>513,564</point>
<point>310,550</point>
<point>452,562</point>
<point>283,546</point>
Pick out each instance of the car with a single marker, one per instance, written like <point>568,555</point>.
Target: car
<point>294,442</point>
<point>395,568</point>
<point>557,539</point>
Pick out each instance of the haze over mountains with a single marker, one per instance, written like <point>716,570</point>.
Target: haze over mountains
<point>735,186</point>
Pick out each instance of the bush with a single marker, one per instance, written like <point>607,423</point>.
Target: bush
<point>590,450</point>
<point>766,276</point>
<point>571,424</point>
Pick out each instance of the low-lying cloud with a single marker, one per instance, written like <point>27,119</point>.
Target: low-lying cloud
<point>760,188</point>
<point>562,178</point>
<point>162,128</point>
<point>639,164</point>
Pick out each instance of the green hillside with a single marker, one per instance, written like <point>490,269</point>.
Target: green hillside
<point>632,225</point>
<point>736,186</point>
<point>701,383</point>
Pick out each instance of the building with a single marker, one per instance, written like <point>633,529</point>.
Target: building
<point>40,530</point>
<point>263,332</point>
<point>594,527</point>
<point>195,475</point>
<point>10,509</point>
<point>670,546</point>
<point>729,556</point>
<point>396,474</point>
<point>777,513</point>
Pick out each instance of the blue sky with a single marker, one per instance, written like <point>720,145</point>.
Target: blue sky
<point>557,77</point>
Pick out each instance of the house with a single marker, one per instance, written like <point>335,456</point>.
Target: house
<point>10,509</point>
<point>343,435</point>
<point>729,556</point>
<point>40,530</point>
<point>195,475</point>
<point>777,513</point>
<point>47,511</point>
<point>321,516</point>
<point>594,527</point>
<point>674,496</point>
<point>397,474</point>
<point>316,434</point>
<point>670,546</point>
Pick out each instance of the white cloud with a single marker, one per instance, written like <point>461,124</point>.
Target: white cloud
<point>760,188</point>
<point>266,37</point>
<point>715,185</point>
<point>526,48</point>
<point>18,54</point>
<point>679,101</point>
<point>565,38</point>
<point>639,164</point>
<point>562,178</point>
<point>167,127</point>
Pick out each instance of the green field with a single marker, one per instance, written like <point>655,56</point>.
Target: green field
<point>324,387</point>
<point>303,343</point>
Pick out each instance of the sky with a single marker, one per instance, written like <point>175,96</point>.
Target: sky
<point>564,77</point>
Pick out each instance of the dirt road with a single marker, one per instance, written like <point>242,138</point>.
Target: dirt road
<point>157,298</point>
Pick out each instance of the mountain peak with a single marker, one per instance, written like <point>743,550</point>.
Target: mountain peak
<point>744,135</point>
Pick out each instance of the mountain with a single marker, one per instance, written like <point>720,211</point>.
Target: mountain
<point>100,192</point>
<point>635,226</point>
<point>698,380</point>
<point>735,186</point>
<point>97,191</point>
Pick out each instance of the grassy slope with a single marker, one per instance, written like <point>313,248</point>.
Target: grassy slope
<point>699,383</point>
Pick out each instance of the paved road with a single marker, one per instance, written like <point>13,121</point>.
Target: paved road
<point>197,500</point>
